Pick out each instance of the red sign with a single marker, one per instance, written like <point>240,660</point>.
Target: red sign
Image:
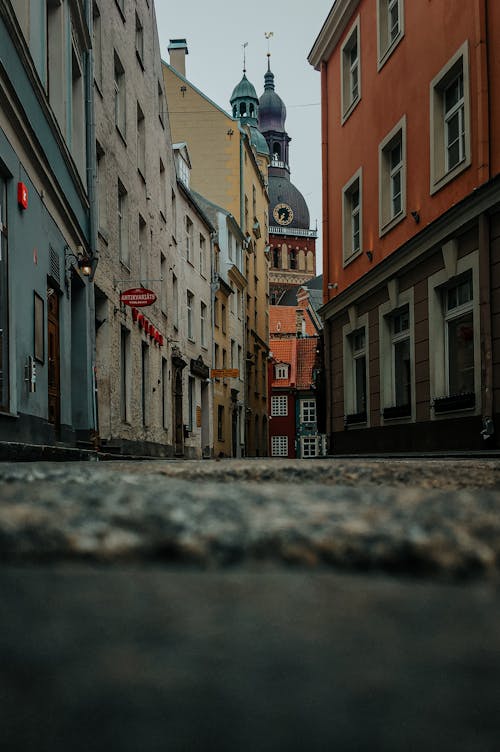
<point>137,297</point>
<point>22,195</point>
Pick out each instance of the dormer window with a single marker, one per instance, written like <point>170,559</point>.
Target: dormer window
<point>183,171</point>
<point>282,371</point>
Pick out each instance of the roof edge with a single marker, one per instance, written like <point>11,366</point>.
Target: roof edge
<point>331,31</point>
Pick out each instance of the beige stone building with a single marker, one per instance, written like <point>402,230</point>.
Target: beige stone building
<point>230,160</point>
<point>147,392</point>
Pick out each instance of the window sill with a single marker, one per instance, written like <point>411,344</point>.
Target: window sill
<point>347,114</point>
<point>122,136</point>
<point>396,411</point>
<point>351,258</point>
<point>391,223</point>
<point>103,235</point>
<point>439,181</point>
<point>7,414</point>
<point>388,52</point>
<point>454,403</point>
<point>139,59</point>
<point>353,419</point>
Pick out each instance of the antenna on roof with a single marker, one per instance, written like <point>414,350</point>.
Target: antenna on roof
<point>245,45</point>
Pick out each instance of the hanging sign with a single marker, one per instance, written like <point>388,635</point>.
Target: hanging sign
<point>137,297</point>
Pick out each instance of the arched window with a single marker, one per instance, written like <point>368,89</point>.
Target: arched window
<point>277,152</point>
<point>243,109</point>
<point>235,111</point>
<point>276,258</point>
<point>293,258</point>
<point>252,110</point>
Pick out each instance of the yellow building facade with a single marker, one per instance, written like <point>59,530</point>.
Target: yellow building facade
<point>230,160</point>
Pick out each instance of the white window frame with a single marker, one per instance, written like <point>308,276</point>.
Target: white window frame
<point>279,446</point>
<point>189,310</point>
<point>387,217</point>
<point>350,355</point>
<point>281,371</point>
<point>279,405</point>
<point>308,411</point>
<point>386,43</point>
<point>438,352</point>
<point>350,215</point>
<point>312,441</point>
<point>203,324</point>
<point>440,173</point>
<point>120,96</point>
<point>123,227</point>
<point>350,70</point>
<point>189,239</point>
<point>387,340</point>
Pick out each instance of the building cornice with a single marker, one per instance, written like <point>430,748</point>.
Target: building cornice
<point>414,250</point>
<point>331,32</point>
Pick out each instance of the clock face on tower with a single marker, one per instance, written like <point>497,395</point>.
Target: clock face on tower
<point>283,214</point>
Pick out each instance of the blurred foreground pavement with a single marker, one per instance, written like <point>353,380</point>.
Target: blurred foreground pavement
<point>256,605</point>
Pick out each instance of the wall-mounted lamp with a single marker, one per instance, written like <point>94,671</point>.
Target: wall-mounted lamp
<point>416,216</point>
<point>369,255</point>
<point>332,285</point>
<point>81,259</point>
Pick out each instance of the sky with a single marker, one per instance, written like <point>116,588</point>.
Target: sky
<point>216,31</point>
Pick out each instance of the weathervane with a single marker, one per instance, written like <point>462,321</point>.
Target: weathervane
<point>244,45</point>
<point>268,35</point>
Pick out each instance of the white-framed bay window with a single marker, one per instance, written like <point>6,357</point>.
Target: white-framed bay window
<point>279,446</point>
<point>279,405</point>
<point>352,217</point>
<point>392,178</point>
<point>396,341</point>
<point>308,411</point>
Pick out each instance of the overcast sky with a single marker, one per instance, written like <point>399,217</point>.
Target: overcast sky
<point>216,30</point>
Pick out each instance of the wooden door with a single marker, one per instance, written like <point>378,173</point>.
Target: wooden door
<point>178,424</point>
<point>54,382</point>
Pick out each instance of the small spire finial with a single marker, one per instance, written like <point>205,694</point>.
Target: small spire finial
<point>244,45</point>
<point>268,35</point>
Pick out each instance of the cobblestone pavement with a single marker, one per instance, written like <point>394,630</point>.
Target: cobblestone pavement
<point>345,605</point>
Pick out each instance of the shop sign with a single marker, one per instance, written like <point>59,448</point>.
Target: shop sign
<point>137,297</point>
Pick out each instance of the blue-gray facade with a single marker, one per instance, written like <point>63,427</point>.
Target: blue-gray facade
<point>47,337</point>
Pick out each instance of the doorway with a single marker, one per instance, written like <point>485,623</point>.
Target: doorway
<point>54,359</point>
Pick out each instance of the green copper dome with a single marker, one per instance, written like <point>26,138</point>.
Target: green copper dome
<point>258,141</point>
<point>244,90</point>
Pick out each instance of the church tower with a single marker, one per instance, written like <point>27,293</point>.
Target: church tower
<point>291,240</point>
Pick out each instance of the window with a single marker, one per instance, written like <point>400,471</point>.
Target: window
<point>120,97</point>
<point>220,422</point>
<point>216,356</point>
<point>281,371</point>
<point>230,245</point>
<point>163,192</point>
<point>191,402</point>
<point>55,53</point>
<point>397,395</point>
<point>174,215</point>
<point>102,194</point>
<point>390,24</point>
<point>454,346</point>
<point>392,178</point>
<point>350,72</point>
<point>279,405</point>
<point>123,245</point>
<point>216,312</point>
<point>143,252</point>
<point>121,6</point>
<point>352,217</point>
<point>190,303</point>
<point>78,132</point>
<point>308,410</point>
<point>125,375</point>
<point>161,105</point>
<point>141,142</point>
<point>139,40</point>
<point>189,240</point>
<point>165,393</point>
<point>145,382</point>
<point>450,120</point>
<point>279,446</point>
<point>163,288</point>
<point>233,354</point>
<point>309,446</point>
<point>203,251</point>
<point>175,301</point>
<point>276,258</point>
<point>355,371</point>
<point>292,256</point>
<point>203,324</point>
<point>231,299</point>
<point>223,317</point>
<point>4,307</point>
<point>97,45</point>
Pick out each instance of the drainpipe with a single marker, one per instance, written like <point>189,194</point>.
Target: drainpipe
<point>91,190</point>
<point>484,147</point>
<point>326,256</point>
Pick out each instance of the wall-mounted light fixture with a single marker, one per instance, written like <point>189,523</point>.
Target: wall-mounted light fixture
<point>80,259</point>
<point>416,216</point>
<point>369,255</point>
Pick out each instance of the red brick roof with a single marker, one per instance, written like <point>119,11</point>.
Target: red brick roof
<point>306,357</point>
<point>283,320</point>
<point>300,354</point>
<point>284,351</point>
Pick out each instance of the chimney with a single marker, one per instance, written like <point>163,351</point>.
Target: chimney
<point>177,50</point>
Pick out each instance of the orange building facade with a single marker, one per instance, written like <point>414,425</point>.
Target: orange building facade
<point>411,223</point>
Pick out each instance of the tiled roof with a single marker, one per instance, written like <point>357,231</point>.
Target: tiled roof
<point>283,320</point>
<point>284,351</point>
<point>306,357</point>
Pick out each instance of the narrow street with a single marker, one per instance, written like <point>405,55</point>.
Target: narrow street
<point>250,605</point>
